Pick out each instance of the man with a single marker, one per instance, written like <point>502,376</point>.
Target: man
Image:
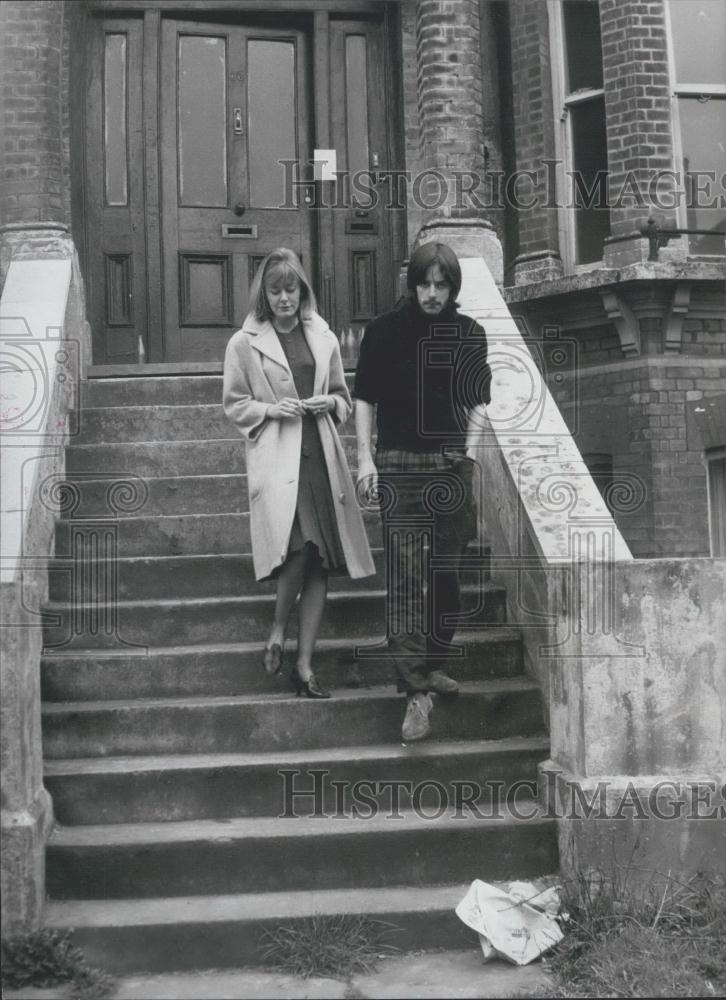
<point>422,369</point>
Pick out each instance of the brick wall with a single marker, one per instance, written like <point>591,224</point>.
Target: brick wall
<point>411,124</point>
<point>35,172</point>
<point>73,17</point>
<point>534,137</point>
<point>636,81</point>
<point>636,412</point>
<point>449,77</point>
<point>636,84</point>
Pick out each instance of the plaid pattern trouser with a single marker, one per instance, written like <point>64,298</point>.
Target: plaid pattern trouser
<point>429,518</point>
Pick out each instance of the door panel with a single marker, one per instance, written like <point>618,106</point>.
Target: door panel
<point>234,105</point>
<point>188,125</point>
<point>115,268</point>
<point>364,280</point>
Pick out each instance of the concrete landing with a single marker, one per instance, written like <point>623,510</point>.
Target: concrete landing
<point>447,974</point>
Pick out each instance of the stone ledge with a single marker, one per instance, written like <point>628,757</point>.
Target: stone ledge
<point>644,828</point>
<point>605,276</point>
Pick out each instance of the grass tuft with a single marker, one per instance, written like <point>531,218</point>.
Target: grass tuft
<point>624,938</point>
<point>49,958</point>
<point>334,946</point>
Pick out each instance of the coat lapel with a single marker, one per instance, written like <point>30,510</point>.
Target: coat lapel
<point>267,342</point>
<point>320,348</point>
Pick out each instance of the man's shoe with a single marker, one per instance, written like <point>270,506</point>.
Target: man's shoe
<point>441,683</point>
<point>416,725</point>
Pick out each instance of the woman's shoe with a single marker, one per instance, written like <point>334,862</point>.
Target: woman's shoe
<point>310,688</point>
<point>272,658</point>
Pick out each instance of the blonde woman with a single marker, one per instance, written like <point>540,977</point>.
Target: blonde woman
<point>285,391</point>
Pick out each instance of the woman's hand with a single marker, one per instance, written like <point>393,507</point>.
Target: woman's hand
<point>318,404</point>
<point>287,408</point>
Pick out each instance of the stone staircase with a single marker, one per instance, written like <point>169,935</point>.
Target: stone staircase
<point>174,762</point>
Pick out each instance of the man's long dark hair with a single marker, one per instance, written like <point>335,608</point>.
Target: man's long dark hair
<point>425,257</point>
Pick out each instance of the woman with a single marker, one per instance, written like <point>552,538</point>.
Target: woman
<point>285,390</point>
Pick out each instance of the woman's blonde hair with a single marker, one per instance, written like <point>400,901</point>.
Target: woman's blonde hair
<point>288,263</point>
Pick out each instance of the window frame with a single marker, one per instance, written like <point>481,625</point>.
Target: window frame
<point>692,91</point>
<point>564,145</point>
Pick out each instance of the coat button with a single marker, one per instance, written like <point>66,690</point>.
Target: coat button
<point>306,452</point>
<point>341,497</point>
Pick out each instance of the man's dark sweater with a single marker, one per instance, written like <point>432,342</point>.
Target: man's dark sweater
<point>424,374</point>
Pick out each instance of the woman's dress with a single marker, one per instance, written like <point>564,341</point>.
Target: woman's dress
<point>315,522</point>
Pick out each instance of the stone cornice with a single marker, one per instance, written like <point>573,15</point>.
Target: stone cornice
<point>662,271</point>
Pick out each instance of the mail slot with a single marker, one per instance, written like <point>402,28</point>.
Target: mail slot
<point>361,226</point>
<point>232,231</point>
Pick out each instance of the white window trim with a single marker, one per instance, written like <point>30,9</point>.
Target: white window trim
<point>562,102</point>
<point>677,90</point>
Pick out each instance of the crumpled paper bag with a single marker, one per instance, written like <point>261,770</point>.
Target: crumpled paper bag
<point>517,925</point>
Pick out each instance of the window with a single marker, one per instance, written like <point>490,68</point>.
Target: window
<point>716,471</point>
<point>271,118</point>
<point>114,120</point>
<point>201,135</point>
<point>578,88</point>
<point>698,70</point>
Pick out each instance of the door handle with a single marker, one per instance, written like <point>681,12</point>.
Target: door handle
<point>375,165</point>
<point>239,208</point>
<point>237,121</point>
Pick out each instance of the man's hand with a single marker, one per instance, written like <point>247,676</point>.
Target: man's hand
<point>286,409</point>
<point>367,472</point>
<point>368,478</point>
<point>318,404</point>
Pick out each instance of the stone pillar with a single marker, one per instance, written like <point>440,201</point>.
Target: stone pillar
<point>638,112</point>
<point>27,814</point>
<point>453,185</point>
<point>44,344</point>
<point>534,137</point>
<point>637,717</point>
<point>32,82</point>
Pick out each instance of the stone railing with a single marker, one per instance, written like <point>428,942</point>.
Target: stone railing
<point>44,343</point>
<point>630,654</point>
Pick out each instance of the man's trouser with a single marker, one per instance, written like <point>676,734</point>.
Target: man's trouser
<point>429,518</point>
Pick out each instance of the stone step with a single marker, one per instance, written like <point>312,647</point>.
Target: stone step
<point>130,495</point>
<point>191,576</point>
<point>205,932</point>
<point>348,614</point>
<point>224,574</point>
<point>174,390</point>
<point>159,422</point>
<point>494,709</point>
<point>161,390</point>
<point>476,776</point>
<point>169,459</point>
<point>186,534</point>
<point>198,534</point>
<point>154,422</point>
<point>261,854</point>
<point>233,669</point>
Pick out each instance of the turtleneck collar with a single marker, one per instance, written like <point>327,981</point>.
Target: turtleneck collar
<point>420,321</point>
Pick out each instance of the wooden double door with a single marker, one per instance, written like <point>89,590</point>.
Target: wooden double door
<point>199,143</point>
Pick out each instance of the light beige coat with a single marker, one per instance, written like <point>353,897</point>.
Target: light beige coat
<point>257,375</point>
